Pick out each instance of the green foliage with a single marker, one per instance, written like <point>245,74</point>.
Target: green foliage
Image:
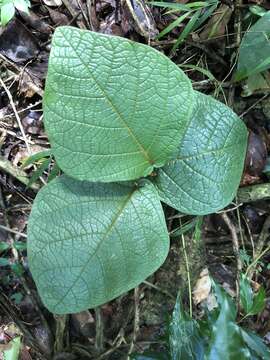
<point>186,183</point>
<point>116,110</point>
<point>97,232</point>
<point>197,12</point>
<point>8,7</point>
<point>252,304</point>
<point>14,349</point>
<point>95,109</point>
<point>42,160</point>
<point>216,336</point>
<point>254,55</point>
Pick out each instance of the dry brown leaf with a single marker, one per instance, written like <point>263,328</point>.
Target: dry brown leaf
<point>216,26</point>
<point>202,288</point>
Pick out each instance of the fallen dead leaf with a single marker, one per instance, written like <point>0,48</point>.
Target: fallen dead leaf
<point>202,287</point>
<point>216,26</point>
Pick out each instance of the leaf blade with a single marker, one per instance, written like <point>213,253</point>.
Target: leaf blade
<point>96,106</point>
<point>84,250</point>
<point>207,170</point>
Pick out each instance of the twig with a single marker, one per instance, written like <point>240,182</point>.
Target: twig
<point>253,105</point>
<point>7,309</point>
<point>188,273</point>
<point>20,175</point>
<point>237,21</point>
<point>136,325</point>
<point>23,110</point>
<point>61,321</point>
<point>260,244</point>
<point>99,340</point>
<point>117,343</point>
<point>74,13</point>
<point>235,244</point>
<point>16,115</point>
<point>165,292</point>
<point>22,277</point>
<point>12,231</point>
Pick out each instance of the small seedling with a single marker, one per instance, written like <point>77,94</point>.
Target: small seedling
<point>127,130</point>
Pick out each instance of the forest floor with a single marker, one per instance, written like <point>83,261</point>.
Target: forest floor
<point>137,320</point>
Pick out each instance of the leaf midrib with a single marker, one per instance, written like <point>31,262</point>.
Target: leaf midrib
<point>107,98</point>
<point>111,226</point>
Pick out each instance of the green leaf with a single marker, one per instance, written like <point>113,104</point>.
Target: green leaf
<point>258,302</point>
<point>113,109</point>
<point>186,343</point>
<point>14,351</point>
<point>246,294</point>
<point>4,262</point>
<point>190,26</point>
<point>254,54</point>
<point>206,173</point>
<point>255,343</point>
<point>91,242</point>
<point>7,12</point>
<point>39,171</point>
<point>172,25</point>
<point>36,157</point>
<point>226,341</point>
<point>4,246</point>
<point>19,245</point>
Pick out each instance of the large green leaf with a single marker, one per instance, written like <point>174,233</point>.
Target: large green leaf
<point>90,242</point>
<point>207,171</point>
<point>114,109</point>
<point>254,55</point>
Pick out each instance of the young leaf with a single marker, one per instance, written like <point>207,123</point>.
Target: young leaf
<point>39,171</point>
<point>113,109</point>
<point>205,175</point>
<point>36,157</point>
<point>226,342</point>
<point>254,55</point>
<point>255,343</point>
<point>246,294</point>
<point>186,343</point>
<point>90,242</point>
<point>258,302</point>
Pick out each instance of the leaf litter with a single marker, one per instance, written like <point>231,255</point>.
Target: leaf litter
<point>24,49</point>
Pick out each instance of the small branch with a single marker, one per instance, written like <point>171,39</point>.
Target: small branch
<point>188,273</point>
<point>16,115</point>
<point>235,244</point>
<point>259,248</point>
<point>99,341</point>
<point>61,322</point>
<point>136,326</point>
<point>165,292</point>
<point>13,231</point>
<point>20,175</point>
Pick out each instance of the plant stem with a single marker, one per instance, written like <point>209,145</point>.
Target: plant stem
<point>254,262</point>
<point>188,274</point>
